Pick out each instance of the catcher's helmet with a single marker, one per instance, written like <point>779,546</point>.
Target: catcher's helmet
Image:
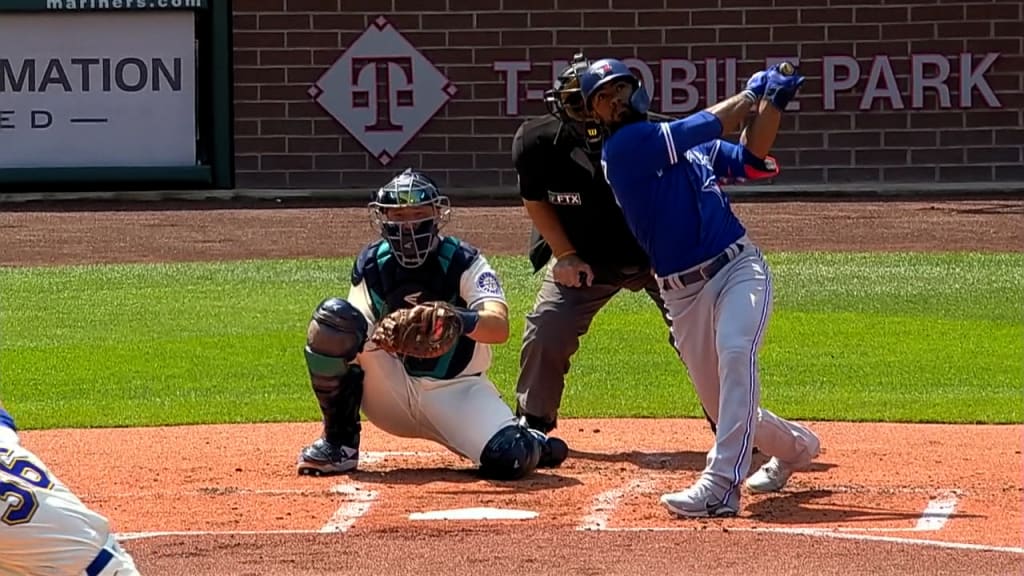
<point>610,70</point>
<point>565,101</point>
<point>410,211</point>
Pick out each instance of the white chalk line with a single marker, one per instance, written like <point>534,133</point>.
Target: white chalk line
<point>123,536</point>
<point>829,533</point>
<point>357,505</point>
<point>357,502</point>
<point>376,457</point>
<point>810,532</point>
<point>934,517</point>
<point>606,502</point>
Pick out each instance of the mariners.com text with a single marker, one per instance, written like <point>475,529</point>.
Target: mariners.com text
<point>120,4</point>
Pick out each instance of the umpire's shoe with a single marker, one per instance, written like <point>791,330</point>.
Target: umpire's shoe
<point>537,422</point>
<point>322,459</point>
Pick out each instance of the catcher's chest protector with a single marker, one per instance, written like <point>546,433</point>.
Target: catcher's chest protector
<point>393,287</point>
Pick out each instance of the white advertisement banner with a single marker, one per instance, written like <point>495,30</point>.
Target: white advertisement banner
<point>97,90</point>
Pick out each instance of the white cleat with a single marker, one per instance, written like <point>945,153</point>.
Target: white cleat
<point>771,477</point>
<point>698,501</point>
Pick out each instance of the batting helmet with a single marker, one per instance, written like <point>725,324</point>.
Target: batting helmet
<point>607,71</point>
<point>397,209</point>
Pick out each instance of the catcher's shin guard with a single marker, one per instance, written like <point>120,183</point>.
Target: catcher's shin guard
<point>336,334</point>
<point>337,450</point>
<point>512,453</point>
<point>340,399</point>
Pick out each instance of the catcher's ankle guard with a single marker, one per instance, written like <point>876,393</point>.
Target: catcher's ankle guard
<point>512,453</point>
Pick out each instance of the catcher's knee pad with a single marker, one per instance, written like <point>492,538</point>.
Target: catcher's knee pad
<point>337,333</point>
<point>512,453</point>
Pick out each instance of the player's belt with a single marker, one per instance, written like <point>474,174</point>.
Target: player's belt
<point>701,273</point>
<point>95,568</point>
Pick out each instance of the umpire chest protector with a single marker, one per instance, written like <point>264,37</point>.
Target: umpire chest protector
<point>554,168</point>
<point>393,287</point>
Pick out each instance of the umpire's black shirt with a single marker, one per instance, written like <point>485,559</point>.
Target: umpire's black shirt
<point>554,167</point>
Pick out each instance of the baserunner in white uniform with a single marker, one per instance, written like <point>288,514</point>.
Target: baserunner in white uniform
<point>44,528</point>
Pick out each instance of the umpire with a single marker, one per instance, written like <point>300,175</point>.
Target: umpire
<point>580,230</point>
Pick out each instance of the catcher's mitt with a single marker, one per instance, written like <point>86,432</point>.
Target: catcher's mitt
<point>423,331</point>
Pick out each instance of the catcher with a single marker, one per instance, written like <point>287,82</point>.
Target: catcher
<point>410,346</point>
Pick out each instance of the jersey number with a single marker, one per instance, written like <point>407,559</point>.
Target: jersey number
<point>17,500</point>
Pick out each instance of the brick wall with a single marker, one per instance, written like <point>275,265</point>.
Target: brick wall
<point>866,127</point>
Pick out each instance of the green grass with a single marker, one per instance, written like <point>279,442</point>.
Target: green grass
<point>868,337</point>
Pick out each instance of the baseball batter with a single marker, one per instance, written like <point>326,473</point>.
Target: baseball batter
<point>448,399</point>
<point>713,279</point>
<point>44,528</point>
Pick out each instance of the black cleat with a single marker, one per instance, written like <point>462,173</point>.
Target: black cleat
<point>323,459</point>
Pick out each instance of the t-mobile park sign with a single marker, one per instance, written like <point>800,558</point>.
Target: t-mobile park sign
<point>877,81</point>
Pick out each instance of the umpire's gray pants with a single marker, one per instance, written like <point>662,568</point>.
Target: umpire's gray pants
<point>560,316</point>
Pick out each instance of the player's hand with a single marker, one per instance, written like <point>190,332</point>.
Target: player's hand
<point>572,271</point>
<point>758,83</point>
<point>781,87</point>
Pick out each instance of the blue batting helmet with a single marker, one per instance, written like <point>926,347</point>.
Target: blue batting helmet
<point>609,70</point>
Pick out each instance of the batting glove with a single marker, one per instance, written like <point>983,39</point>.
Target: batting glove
<point>758,83</point>
<point>780,88</point>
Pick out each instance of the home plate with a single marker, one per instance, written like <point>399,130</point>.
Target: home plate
<point>474,514</point>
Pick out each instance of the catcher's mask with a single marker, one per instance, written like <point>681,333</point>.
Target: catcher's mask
<point>410,211</point>
<point>565,102</point>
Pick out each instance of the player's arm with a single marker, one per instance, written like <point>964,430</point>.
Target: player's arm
<point>359,296</point>
<point>759,136</point>
<point>492,327</point>
<point>533,190</point>
<point>546,220</point>
<point>736,163</point>
<point>651,146</point>
<point>486,315</point>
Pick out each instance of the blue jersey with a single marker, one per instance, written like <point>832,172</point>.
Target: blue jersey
<point>666,176</point>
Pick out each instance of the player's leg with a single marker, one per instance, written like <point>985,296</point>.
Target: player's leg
<point>113,560</point>
<point>748,295</point>
<point>551,335</point>
<point>390,396</point>
<point>654,293</point>
<point>334,338</point>
<point>45,527</point>
<point>692,310</point>
<point>729,342</point>
<point>472,420</point>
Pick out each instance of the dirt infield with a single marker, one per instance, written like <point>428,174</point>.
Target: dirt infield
<point>179,231</point>
<point>882,499</point>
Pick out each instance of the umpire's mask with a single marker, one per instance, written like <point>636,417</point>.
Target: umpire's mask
<point>409,211</point>
<point>565,101</point>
